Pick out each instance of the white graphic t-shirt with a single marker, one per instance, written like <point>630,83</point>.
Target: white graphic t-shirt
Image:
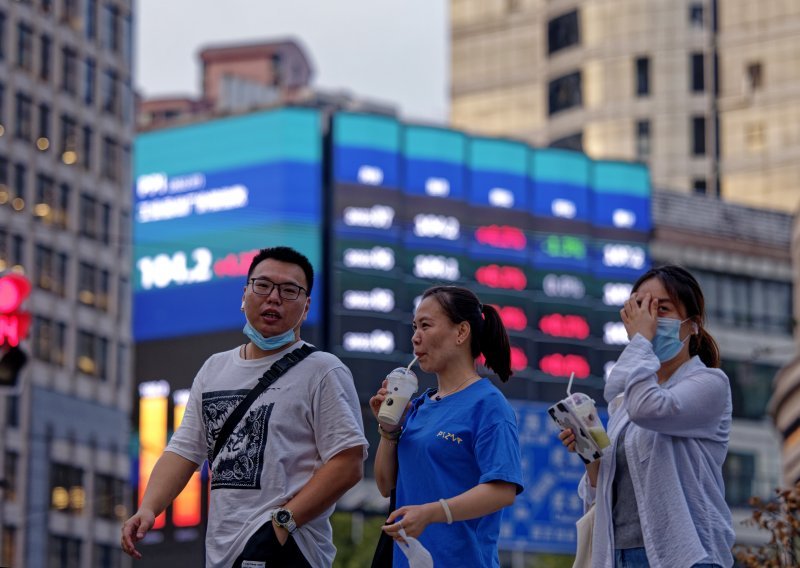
<point>306,417</point>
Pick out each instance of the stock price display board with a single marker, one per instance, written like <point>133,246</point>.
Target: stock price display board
<point>549,237</point>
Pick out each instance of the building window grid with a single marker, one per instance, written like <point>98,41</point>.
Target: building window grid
<point>563,31</point>
<point>24,46</point>
<point>697,72</point>
<point>565,92</point>
<point>643,139</point>
<point>89,81</point>
<point>10,469</point>
<point>93,286</point>
<point>111,159</point>
<point>24,117</point>
<point>698,136</point>
<point>92,354</point>
<point>747,302</point>
<point>63,552</point>
<point>3,22</point>
<point>9,545</point>
<point>642,76</point>
<point>90,19</point>
<point>69,70</point>
<point>697,15</point>
<point>86,150</point>
<point>44,123</point>
<point>20,181</point>
<point>45,57</point>
<point>49,344</point>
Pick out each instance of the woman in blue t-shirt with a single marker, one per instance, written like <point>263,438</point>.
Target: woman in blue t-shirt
<point>455,461</point>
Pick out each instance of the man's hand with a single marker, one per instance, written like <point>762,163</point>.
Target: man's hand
<point>134,530</point>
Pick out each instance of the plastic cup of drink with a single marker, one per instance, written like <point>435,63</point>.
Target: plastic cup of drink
<point>584,408</point>
<point>402,386</point>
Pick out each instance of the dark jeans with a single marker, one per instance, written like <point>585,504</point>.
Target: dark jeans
<point>636,558</point>
<point>264,547</point>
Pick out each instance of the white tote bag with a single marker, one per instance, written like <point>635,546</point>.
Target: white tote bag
<point>585,528</point>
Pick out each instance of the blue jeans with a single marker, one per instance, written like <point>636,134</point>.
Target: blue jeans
<point>636,558</point>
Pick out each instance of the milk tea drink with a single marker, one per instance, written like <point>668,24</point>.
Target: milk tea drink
<point>402,386</point>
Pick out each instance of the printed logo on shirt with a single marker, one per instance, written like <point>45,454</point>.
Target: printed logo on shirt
<point>449,437</point>
<point>241,460</point>
<point>253,564</point>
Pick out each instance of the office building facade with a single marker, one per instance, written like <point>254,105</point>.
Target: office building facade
<point>66,130</point>
<point>703,91</point>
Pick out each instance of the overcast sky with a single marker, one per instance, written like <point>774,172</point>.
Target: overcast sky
<point>393,51</point>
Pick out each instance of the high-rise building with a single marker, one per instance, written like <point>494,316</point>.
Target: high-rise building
<point>703,91</point>
<point>66,130</point>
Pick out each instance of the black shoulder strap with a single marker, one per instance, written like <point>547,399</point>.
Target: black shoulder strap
<point>271,375</point>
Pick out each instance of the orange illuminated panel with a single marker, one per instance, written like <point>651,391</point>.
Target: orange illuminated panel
<point>152,433</point>
<point>186,507</point>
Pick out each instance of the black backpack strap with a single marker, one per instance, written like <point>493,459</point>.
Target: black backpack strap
<point>276,370</point>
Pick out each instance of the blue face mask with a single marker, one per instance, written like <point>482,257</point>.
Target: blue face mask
<point>667,342</point>
<point>268,343</point>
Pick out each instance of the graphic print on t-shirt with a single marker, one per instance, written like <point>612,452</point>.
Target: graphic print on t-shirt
<point>241,459</point>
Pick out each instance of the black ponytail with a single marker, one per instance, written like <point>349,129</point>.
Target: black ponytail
<point>488,335</point>
<point>494,344</point>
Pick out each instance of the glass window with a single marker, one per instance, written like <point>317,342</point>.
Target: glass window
<point>111,159</point>
<point>62,212</point>
<point>2,35</point>
<point>2,109</point>
<point>92,354</point>
<point>71,13</point>
<point>45,57</point>
<point>63,552</point>
<point>66,488</point>
<point>698,136</point>
<point>571,142</point>
<point>90,69</point>
<point>696,15</point>
<point>10,468</point>
<point>69,70</point>
<point>754,76</point>
<point>9,545</point>
<point>86,151</point>
<point>86,284</point>
<point>105,223</point>
<point>109,497</point>
<point>107,556</point>
<point>69,139</point>
<point>90,19</point>
<point>642,76</point>
<point>44,202</point>
<point>111,32</point>
<point>110,92</point>
<point>88,216</point>
<point>642,139</point>
<point>699,186</point>
<point>565,92</point>
<point>739,471</point>
<point>24,46</point>
<point>24,115</point>
<point>12,410</point>
<point>698,75</point>
<point>563,32</point>
<point>46,6</point>
<point>20,180</point>
<point>44,126</point>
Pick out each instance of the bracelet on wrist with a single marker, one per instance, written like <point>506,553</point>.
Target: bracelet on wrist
<point>389,435</point>
<point>447,513</point>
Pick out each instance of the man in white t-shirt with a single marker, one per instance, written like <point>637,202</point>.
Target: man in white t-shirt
<point>295,452</point>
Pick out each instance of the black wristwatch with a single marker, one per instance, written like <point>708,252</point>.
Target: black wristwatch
<point>284,518</point>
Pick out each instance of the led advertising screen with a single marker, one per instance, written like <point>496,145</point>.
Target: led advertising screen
<point>207,197</point>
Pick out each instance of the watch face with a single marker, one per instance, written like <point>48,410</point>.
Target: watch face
<point>283,516</point>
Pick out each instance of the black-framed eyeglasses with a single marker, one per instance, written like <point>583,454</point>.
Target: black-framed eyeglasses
<point>287,291</point>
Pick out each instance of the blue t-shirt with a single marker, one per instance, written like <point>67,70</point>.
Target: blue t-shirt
<point>448,447</point>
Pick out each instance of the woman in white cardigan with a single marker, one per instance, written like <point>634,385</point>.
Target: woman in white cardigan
<point>658,489</point>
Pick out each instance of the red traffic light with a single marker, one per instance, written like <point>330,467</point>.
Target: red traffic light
<point>13,291</point>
